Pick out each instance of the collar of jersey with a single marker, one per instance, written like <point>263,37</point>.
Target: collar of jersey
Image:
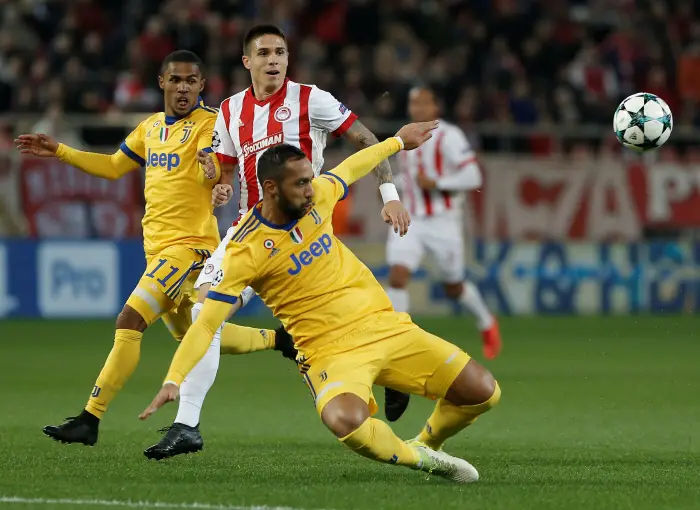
<point>251,94</point>
<point>172,119</point>
<point>259,216</point>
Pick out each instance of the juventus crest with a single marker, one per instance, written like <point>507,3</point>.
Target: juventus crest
<point>187,130</point>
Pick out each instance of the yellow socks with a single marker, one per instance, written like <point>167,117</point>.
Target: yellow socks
<point>448,419</point>
<point>375,440</point>
<point>120,364</point>
<point>237,339</point>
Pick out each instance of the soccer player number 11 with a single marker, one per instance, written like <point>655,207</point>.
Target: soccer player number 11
<point>164,281</point>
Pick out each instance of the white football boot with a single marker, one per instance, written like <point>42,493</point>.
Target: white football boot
<point>445,465</point>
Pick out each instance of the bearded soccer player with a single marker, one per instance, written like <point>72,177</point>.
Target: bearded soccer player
<point>179,228</point>
<point>274,110</point>
<point>348,334</point>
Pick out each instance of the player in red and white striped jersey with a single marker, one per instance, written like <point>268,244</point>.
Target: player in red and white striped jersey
<point>272,111</point>
<point>299,115</point>
<point>434,179</point>
<point>277,110</point>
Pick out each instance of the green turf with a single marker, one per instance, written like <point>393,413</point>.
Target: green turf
<point>599,413</point>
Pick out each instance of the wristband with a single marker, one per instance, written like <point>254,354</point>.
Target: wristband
<point>389,192</point>
<point>400,141</point>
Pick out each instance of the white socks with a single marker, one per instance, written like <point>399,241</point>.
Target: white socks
<point>399,299</point>
<point>195,311</point>
<point>247,294</point>
<point>471,299</point>
<point>198,382</point>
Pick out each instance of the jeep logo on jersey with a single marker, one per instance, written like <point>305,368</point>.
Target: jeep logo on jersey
<point>162,159</point>
<point>253,147</point>
<point>306,257</point>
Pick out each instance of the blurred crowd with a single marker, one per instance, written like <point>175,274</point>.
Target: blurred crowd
<point>510,61</point>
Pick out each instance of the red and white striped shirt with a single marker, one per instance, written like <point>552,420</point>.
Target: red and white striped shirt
<point>447,158</point>
<point>299,115</point>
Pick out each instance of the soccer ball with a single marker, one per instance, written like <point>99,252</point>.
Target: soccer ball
<point>643,122</point>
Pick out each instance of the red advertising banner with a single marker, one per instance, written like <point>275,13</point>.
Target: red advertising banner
<point>593,200</point>
<point>61,201</point>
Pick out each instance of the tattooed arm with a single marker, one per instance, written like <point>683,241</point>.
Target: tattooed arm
<point>361,137</point>
<point>393,212</point>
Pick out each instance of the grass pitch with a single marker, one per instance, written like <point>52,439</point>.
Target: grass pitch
<point>599,413</point>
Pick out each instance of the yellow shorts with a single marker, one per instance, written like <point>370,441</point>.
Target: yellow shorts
<point>388,350</point>
<point>166,288</point>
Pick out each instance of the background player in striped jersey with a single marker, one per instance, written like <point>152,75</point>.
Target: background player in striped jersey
<point>274,110</point>
<point>434,179</point>
<point>179,229</point>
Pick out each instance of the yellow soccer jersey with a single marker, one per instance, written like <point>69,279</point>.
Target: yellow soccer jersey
<point>178,196</point>
<point>312,282</point>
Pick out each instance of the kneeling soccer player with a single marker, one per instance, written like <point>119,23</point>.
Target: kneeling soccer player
<point>347,333</point>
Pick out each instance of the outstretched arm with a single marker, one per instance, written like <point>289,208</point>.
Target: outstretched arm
<point>223,300</point>
<point>361,137</point>
<point>361,163</point>
<point>192,349</point>
<point>101,165</point>
<point>393,213</point>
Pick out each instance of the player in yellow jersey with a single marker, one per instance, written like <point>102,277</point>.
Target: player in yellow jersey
<point>179,230</point>
<point>348,335</point>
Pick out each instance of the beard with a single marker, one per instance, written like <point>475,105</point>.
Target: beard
<point>290,210</point>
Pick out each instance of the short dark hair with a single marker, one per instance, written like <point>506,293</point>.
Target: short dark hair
<point>428,88</point>
<point>260,30</point>
<point>271,163</point>
<point>432,90</point>
<point>184,56</point>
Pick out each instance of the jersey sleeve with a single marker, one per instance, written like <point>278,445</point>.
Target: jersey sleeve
<point>204,141</point>
<point>134,145</point>
<point>332,187</point>
<point>129,157</point>
<point>329,189</point>
<point>463,172</point>
<point>329,114</point>
<point>457,150</point>
<point>238,270</point>
<point>205,137</point>
<point>221,142</point>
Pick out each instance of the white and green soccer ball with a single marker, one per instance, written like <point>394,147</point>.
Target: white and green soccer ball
<point>643,122</point>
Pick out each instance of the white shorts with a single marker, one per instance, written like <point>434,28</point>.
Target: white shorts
<point>213,263</point>
<point>442,236</point>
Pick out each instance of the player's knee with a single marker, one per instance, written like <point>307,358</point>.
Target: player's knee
<point>399,276</point>
<point>129,318</point>
<point>473,386</point>
<point>344,414</point>
<point>453,290</point>
<point>202,292</point>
